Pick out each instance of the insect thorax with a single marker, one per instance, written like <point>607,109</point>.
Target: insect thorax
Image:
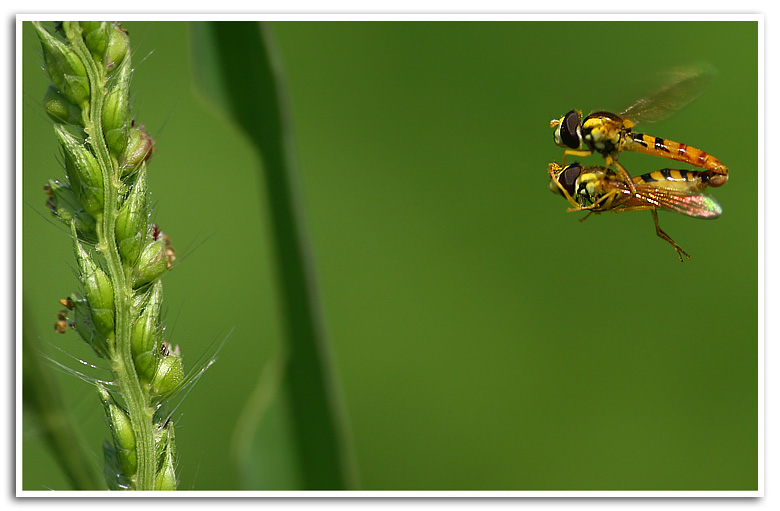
<point>602,134</point>
<point>588,190</point>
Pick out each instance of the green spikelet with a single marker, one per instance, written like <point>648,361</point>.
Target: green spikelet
<point>170,372</point>
<point>116,112</point>
<point>152,263</point>
<point>84,172</point>
<point>59,108</point>
<point>65,67</point>
<point>67,207</point>
<point>132,223</point>
<point>99,290</point>
<point>166,449</point>
<point>122,433</point>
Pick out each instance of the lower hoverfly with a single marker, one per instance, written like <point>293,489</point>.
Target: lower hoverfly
<point>598,189</point>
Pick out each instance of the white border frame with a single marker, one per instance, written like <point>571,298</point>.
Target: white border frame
<point>762,190</point>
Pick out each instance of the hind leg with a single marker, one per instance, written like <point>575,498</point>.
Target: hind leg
<point>661,234</point>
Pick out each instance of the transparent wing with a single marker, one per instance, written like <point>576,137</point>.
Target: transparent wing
<point>684,85</point>
<point>690,204</point>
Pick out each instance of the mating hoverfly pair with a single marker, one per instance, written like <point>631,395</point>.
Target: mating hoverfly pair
<point>600,188</point>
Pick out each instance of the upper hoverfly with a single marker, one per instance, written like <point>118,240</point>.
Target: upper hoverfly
<point>598,189</point>
<point>609,134</point>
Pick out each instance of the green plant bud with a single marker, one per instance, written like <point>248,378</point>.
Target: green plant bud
<point>124,439</point>
<point>85,326</point>
<point>169,375</point>
<point>97,287</point>
<point>163,441</point>
<point>140,147</point>
<point>90,26</point>
<point>83,171</point>
<point>65,68</point>
<point>146,329</point>
<point>152,263</point>
<point>165,479</point>
<point>96,34</point>
<point>130,248</point>
<point>122,432</point>
<point>65,205</point>
<point>146,366</point>
<point>60,109</point>
<point>116,111</point>
<point>132,222</point>
<point>112,471</point>
<point>118,45</point>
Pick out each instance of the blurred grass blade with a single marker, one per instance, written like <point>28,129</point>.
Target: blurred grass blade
<point>236,66</point>
<point>42,401</point>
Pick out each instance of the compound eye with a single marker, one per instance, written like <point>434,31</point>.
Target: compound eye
<point>570,130</point>
<point>569,176</point>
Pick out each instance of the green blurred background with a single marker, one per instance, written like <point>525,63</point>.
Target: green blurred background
<point>483,338</point>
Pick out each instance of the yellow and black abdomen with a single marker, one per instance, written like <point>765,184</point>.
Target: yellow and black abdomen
<point>673,179</point>
<point>716,172</point>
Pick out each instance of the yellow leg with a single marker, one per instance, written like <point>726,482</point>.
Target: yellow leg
<point>604,203</point>
<point>661,234</point>
<point>574,152</point>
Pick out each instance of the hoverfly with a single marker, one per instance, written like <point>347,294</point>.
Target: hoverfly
<point>598,189</point>
<point>609,134</point>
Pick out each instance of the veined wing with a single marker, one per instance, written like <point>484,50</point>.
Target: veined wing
<point>690,204</point>
<point>685,85</point>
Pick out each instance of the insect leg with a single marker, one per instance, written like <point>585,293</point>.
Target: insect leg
<point>605,202</point>
<point>661,234</point>
<point>574,152</point>
<point>622,172</point>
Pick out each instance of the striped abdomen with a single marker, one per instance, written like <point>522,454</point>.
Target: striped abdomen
<point>716,173</point>
<point>673,179</point>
